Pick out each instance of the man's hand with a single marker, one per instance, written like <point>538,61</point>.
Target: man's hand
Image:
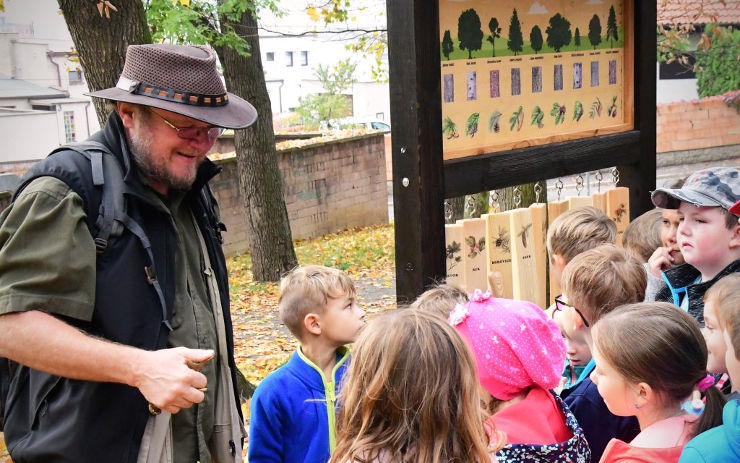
<point>166,379</point>
<point>660,261</point>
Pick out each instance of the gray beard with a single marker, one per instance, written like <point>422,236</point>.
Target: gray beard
<point>140,145</point>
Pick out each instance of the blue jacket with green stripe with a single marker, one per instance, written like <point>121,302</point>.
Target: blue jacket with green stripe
<point>292,416</point>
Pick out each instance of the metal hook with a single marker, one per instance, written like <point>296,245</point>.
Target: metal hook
<point>471,206</point>
<point>599,178</point>
<point>559,186</point>
<point>579,184</point>
<point>615,176</point>
<point>537,191</point>
<point>493,201</point>
<point>448,210</point>
<point>517,197</point>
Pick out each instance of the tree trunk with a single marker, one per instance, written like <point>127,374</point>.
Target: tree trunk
<point>268,227</point>
<point>101,42</point>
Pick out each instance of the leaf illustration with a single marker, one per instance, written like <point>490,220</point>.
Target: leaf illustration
<point>494,122</point>
<point>537,117</point>
<point>577,111</point>
<point>472,125</point>
<point>516,119</point>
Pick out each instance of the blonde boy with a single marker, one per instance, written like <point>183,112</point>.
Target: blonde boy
<point>293,409</point>
<point>708,235</point>
<point>721,443</point>
<point>576,231</point>
<point>594,283</point>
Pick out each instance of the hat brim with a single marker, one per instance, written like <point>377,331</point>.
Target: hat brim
<point>668,198</point>
<point>237,114</point>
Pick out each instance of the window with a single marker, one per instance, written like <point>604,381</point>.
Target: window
<point>75,76</point>
<point>270,56</point>
<point>304,58</point>
<point>69,126</point>
<point>289,58</point>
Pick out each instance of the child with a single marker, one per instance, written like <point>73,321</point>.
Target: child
<point>292,410</point>
<point>649,358</point>
<point>666,256</point>
<point>723,442</point>
<point>643,235</point>
<point>708,235</point>
<point>411,395</point>
<point>594,283</point>
<point>578,356</point>
<point>576,231</point>
<point>519,356</point>
<point>721,294</point>
<point>440,299</point>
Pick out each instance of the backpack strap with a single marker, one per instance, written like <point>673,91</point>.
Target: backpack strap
<point>107,174</point>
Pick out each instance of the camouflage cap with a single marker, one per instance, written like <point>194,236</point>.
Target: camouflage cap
<point>717,186</point>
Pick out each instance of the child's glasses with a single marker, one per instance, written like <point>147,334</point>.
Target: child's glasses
<point>192,133</point>
<point>560,304</point>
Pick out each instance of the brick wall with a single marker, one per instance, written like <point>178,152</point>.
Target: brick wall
<point>328,187</point>
<point>697,124</point>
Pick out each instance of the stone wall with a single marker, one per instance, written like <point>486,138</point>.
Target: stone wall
<point>328,187</point>
<point>697,124</point>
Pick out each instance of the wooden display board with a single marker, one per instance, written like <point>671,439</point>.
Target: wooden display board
<point>517,75</point>
<point>427,168</point>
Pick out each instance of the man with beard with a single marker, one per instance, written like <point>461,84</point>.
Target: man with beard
<point>122,348</point>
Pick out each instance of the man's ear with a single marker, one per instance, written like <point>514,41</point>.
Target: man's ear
<point>311,323</point>
<point>128,113</point>
<point>558,260</point>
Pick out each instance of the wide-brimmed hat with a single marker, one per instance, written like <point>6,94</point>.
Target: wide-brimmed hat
<point>182,79</point>
<point>717,186</point>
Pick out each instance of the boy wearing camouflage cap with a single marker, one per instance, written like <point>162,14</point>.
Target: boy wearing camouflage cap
<point>708,235</point>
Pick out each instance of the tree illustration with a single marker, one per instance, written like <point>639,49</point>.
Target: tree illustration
<point>577,38</point>
<point>558,32</point>
<point>495,33</point>
<point>535,39</point>
<point>594,31</point>
<point>611,27</point>
<point>447,45</point>
<point>469,32</point>
<point>516,41</point>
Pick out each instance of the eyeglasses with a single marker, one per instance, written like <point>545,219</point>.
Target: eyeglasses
<point>192,133</point>
<point>559,304</point>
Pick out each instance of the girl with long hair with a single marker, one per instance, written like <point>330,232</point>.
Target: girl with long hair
<point>411,395</point>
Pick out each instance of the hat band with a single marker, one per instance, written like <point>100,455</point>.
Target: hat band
<point>152,91</point>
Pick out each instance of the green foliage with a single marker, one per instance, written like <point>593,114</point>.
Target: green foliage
<point>198,22</point>
<point>718,67</point>
<point>471,127</point>
<point>494,122</point>
<point>594,31</point>
<point>449,128</point>
<point>447,45</point>
<point>517,119</point>
<point>516,40</point>
<point>535,39</point>
<point>495,33</point>
<point>558,112</point>
<point>577,38</point>
<point>558,32</point>
<point>469,31</point>
<point>577,111</point>
<point>537,117</point>
<point>595,110</point>
<point>611,27</point>
<point>316,108</point>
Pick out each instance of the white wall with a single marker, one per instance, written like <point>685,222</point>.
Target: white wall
<point>670,90</point>
<point>28,148</point>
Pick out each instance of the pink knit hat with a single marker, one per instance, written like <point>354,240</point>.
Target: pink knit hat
<point>514,343</point>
